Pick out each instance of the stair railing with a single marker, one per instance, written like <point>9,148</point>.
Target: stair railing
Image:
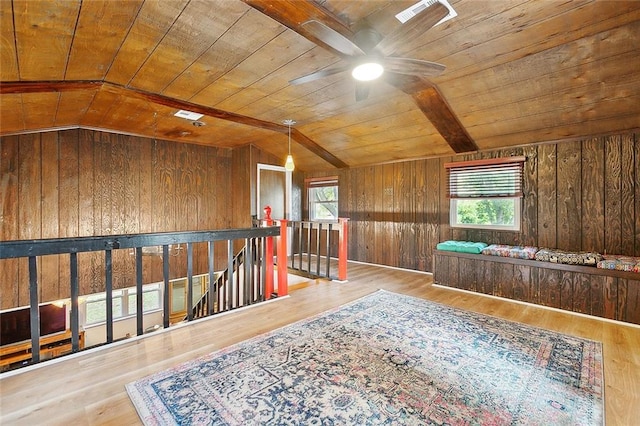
<point>256,285</point>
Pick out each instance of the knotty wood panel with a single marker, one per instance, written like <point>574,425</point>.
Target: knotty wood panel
<point>379,226</point>
<point>547,218</point>
<point>628,308</point>
<point>550,287</point>
<point>467,274</point>
<point>49,271</point>
<point>637,194</point>
<point>582,293</point>
<point>431,208</point>
<point>593,166</point>
<point>566,290</point>
<point>485,277</point>
<point>9,225</point>
<point>420,221</point>
<point>522,283</point>
<point>389,236</point>
<point>530,201</point>
<point>83,183</point>
<point>368,226</point>
<point>404,213</point>
<point>627,202</point>
<point>503,281</point>
<point>611,297</point>
<point>29,204</point>
<point>451,272</point>
<point>68,188</point>
<point>613,194</point>
<point>443,207</point>
<point>568,192</point>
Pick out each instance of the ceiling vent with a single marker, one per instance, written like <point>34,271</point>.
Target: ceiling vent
<point>188,115</point>
<point>412,11</point>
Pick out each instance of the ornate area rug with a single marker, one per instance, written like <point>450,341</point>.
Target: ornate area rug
<point>385,359</point>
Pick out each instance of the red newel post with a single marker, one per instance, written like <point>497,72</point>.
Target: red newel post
<point>342,249</point>
<point>268,256</point>
<point>283,276</point>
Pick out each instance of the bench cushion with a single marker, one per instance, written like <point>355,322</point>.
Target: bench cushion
<point>620,263</point>
<point>569,258</point>
<point>461,246</point>
<point>518,252</point>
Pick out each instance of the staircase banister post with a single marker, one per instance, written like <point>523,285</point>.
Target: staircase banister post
<point>342,248</point>
<point>283,276</point>
<point>268,279</point>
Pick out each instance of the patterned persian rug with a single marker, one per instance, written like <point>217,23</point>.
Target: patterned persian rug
<point>385,359</point>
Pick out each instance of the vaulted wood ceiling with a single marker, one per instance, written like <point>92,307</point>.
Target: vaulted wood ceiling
<point>517,72</point>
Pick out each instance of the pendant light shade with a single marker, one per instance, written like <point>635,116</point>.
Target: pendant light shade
<point>288,165</point>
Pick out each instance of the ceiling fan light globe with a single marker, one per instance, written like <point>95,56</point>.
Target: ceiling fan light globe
<point>367,71</point>
<point>288,165</point>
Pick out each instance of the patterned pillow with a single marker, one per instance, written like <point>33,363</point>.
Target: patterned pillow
<point>518,252</point>
<point>620,263</point>
<point>569,258</point>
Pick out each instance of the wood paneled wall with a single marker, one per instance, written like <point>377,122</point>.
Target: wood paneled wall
<point>84,183</point>
<point>582,195</point>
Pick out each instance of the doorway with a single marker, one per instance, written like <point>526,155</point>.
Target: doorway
<point>274,190</point>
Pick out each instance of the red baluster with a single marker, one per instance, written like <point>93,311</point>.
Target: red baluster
<point>268,256</point>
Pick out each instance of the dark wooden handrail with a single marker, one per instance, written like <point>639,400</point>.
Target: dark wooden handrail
<point>31,249</point>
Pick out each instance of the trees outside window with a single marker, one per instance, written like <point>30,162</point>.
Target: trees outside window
<point>322,194</point>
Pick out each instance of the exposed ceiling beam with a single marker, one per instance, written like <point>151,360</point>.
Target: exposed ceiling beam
<point>428,98</point>
<point>62,86</point>
<point>435,107</point>
<point>293,13</point>
<point>15,87</point>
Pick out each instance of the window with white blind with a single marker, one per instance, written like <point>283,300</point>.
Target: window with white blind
<point>323,198</point>
<point>486,194</point>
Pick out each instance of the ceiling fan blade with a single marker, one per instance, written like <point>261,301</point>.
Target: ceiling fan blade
<point>410,66</point>
<point>319,74</point>
<point>413,28</point>
<point>435,107</point>
<point>362,91</point>
<point>297,16</point>
<point>332,38</point>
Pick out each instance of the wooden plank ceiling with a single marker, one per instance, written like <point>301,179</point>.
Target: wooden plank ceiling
<point>517,72</point>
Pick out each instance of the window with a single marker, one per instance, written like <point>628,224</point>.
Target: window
<point>486,194</point>
<point>96,304</point>
<point>323,198</point>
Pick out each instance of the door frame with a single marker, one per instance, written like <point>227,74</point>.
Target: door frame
<point>288,202</point>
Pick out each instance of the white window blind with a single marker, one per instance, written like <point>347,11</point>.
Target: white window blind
<point>490,178</point>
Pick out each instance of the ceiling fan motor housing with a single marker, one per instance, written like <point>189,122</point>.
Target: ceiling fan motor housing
<point>367,39</point>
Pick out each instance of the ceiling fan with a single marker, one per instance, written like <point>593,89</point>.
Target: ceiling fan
<point>368,53</point>
<point>314,22</point>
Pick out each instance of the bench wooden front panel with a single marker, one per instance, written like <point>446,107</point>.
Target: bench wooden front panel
<point>607,294</point>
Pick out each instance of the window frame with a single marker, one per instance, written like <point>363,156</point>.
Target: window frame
<point>323,182</point>
<point>508,186</point>
<point>122,294</point>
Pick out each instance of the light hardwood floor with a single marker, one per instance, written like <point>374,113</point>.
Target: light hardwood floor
<point>88,388</point>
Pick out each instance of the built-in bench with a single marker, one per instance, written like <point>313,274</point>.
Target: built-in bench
<point>589,290</point>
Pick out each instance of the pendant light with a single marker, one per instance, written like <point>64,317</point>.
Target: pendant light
<point>288,165</point>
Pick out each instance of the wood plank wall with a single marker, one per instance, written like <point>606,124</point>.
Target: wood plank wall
<point>580,195</point>
<point>83,183</point>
